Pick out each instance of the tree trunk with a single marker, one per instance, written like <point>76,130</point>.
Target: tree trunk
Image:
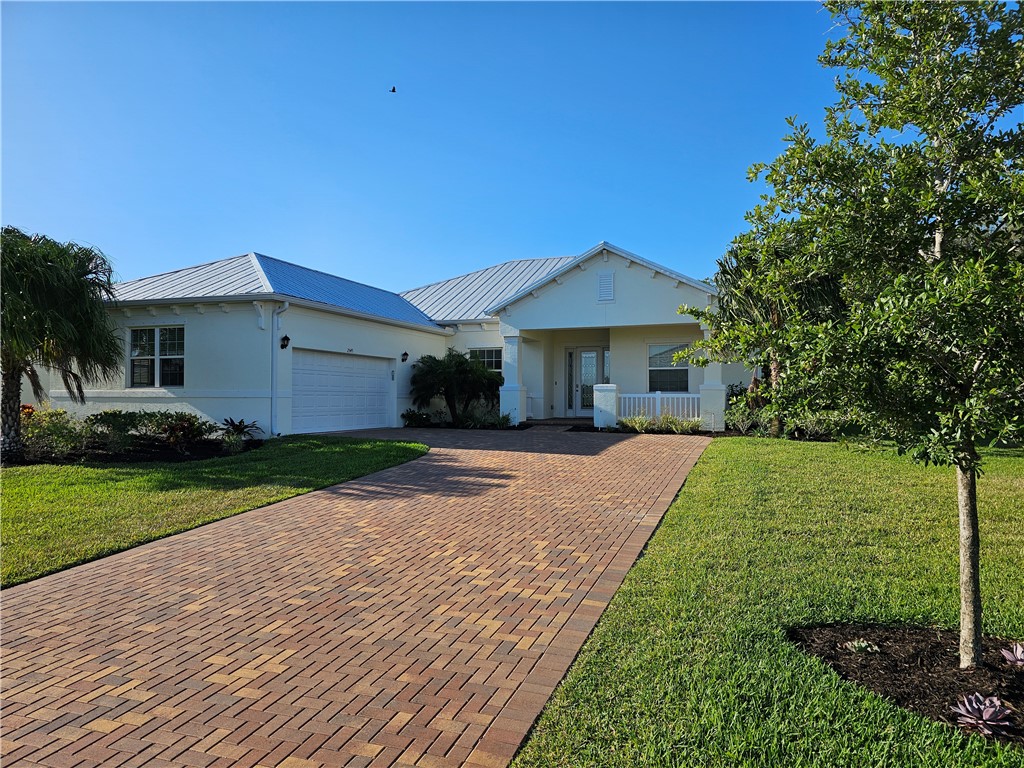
<point>775,369</point>
<point>970,577</point>
<point>453,409</point>
<point>12,449</point>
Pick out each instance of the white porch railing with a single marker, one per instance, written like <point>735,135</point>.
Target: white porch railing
<point>679,404</point>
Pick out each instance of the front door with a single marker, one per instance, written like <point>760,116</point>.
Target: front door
<point>585,367</point>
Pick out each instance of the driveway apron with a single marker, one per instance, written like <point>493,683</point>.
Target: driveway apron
<point>419,616</point>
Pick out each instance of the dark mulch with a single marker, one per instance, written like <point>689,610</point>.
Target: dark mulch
<point>445,425</point>
<point>591,428</point>
<point>918,668</point>
<point>148,452</point>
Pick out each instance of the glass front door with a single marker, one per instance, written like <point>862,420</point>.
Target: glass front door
<point>584,367</point>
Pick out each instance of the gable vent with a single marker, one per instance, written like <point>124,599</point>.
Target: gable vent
<point>606,286</point>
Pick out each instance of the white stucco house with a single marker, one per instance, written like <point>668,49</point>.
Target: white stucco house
<point>300,350</point>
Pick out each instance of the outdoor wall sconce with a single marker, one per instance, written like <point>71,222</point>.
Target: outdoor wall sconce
<point>285,341</point>
<point>405,357</point>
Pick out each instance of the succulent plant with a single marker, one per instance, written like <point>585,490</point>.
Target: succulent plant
<point>860,645</point>
<point>985,715</point>
<point>1014,655</point>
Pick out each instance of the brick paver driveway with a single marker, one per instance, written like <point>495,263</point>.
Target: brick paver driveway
<point>418,616</point>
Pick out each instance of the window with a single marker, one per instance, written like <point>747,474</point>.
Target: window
<point>491,358</point>
<point>662,374</point>
<point>157,357</point>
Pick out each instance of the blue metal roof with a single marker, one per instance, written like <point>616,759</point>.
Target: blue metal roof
<point>254,275</point>
<point>304,283</point>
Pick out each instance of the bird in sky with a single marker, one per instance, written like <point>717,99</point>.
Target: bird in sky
<point>393,90</point>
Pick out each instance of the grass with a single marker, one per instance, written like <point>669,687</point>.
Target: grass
<point>689,666</point>
<point>55,516</point>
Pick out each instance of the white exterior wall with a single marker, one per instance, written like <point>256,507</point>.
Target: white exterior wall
<point>313,329</point>
<point>227,366</point>
<point>470,336</point>
<point>641,297</point>
<point>229,360</point>
<point>629,354</point>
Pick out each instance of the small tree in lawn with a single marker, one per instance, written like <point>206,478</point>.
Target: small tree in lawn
<point>52,315</point>
<point>910,214</point>
<point>459,379</point>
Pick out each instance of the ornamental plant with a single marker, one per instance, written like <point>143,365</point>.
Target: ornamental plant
<point>985,715</point>
<point>1014,655</point>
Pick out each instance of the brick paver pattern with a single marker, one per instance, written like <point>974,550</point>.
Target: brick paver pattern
<point>420,616</point>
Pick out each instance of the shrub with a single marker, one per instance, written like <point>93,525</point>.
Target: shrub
<point>241,429</point>
<point>233,443</point>
<point>741,417</point>
<point>53,433</point>
<point>179,429</point>
<point>640,423</point>
<point>488,419</point>
<point>414,418</point>
<point>667,424</point>
<point>810,426</point>
<point>113,428</point>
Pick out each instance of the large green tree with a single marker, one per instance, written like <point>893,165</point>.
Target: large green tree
<point>909,216</point>
<point>54,316</point>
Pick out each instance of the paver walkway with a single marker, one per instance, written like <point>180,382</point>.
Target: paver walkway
<point>418,616</point>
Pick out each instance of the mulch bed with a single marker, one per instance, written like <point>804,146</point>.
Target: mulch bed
<point>591,428</point>
<point>918,668</point>
<point>151,452</point>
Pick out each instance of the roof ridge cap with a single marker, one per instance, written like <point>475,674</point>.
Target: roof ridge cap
<point>264,280</point>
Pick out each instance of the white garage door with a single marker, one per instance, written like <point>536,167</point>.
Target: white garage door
<point>332,391</point>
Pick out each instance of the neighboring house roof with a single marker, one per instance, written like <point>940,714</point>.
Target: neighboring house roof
<point>467,297</point>
<point>257,276</point>
<point>570,263</point>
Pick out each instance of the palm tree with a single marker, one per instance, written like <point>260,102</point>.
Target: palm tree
<point>460,379</point>
<point>53,315</point>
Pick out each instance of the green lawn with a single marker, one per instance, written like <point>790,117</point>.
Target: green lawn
<point>53,517</point>
<point>690,667</point>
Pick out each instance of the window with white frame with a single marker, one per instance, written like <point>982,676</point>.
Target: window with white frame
<point>157,357</point>
<point>491,358</point>
<point>663,375</point>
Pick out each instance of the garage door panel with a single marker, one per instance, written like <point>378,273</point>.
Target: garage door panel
<point>331,391</point>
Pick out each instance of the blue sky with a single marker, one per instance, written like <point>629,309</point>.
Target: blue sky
<point>178,133</point>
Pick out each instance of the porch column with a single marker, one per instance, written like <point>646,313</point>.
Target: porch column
<point>512,393</point>
<point>712,397</point>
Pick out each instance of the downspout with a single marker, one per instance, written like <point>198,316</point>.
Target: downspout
<point>275,325</point>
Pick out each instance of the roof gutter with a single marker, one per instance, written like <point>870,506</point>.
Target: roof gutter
<point>306,303</point>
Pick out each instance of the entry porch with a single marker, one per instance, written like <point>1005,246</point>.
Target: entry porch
<point>561,373</point>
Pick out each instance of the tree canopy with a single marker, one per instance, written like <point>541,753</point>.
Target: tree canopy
<point>54,316</point>
<point>459,379</point>
<point>883,270</point>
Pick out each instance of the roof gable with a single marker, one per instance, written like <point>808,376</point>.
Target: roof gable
<point>570,264</point>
